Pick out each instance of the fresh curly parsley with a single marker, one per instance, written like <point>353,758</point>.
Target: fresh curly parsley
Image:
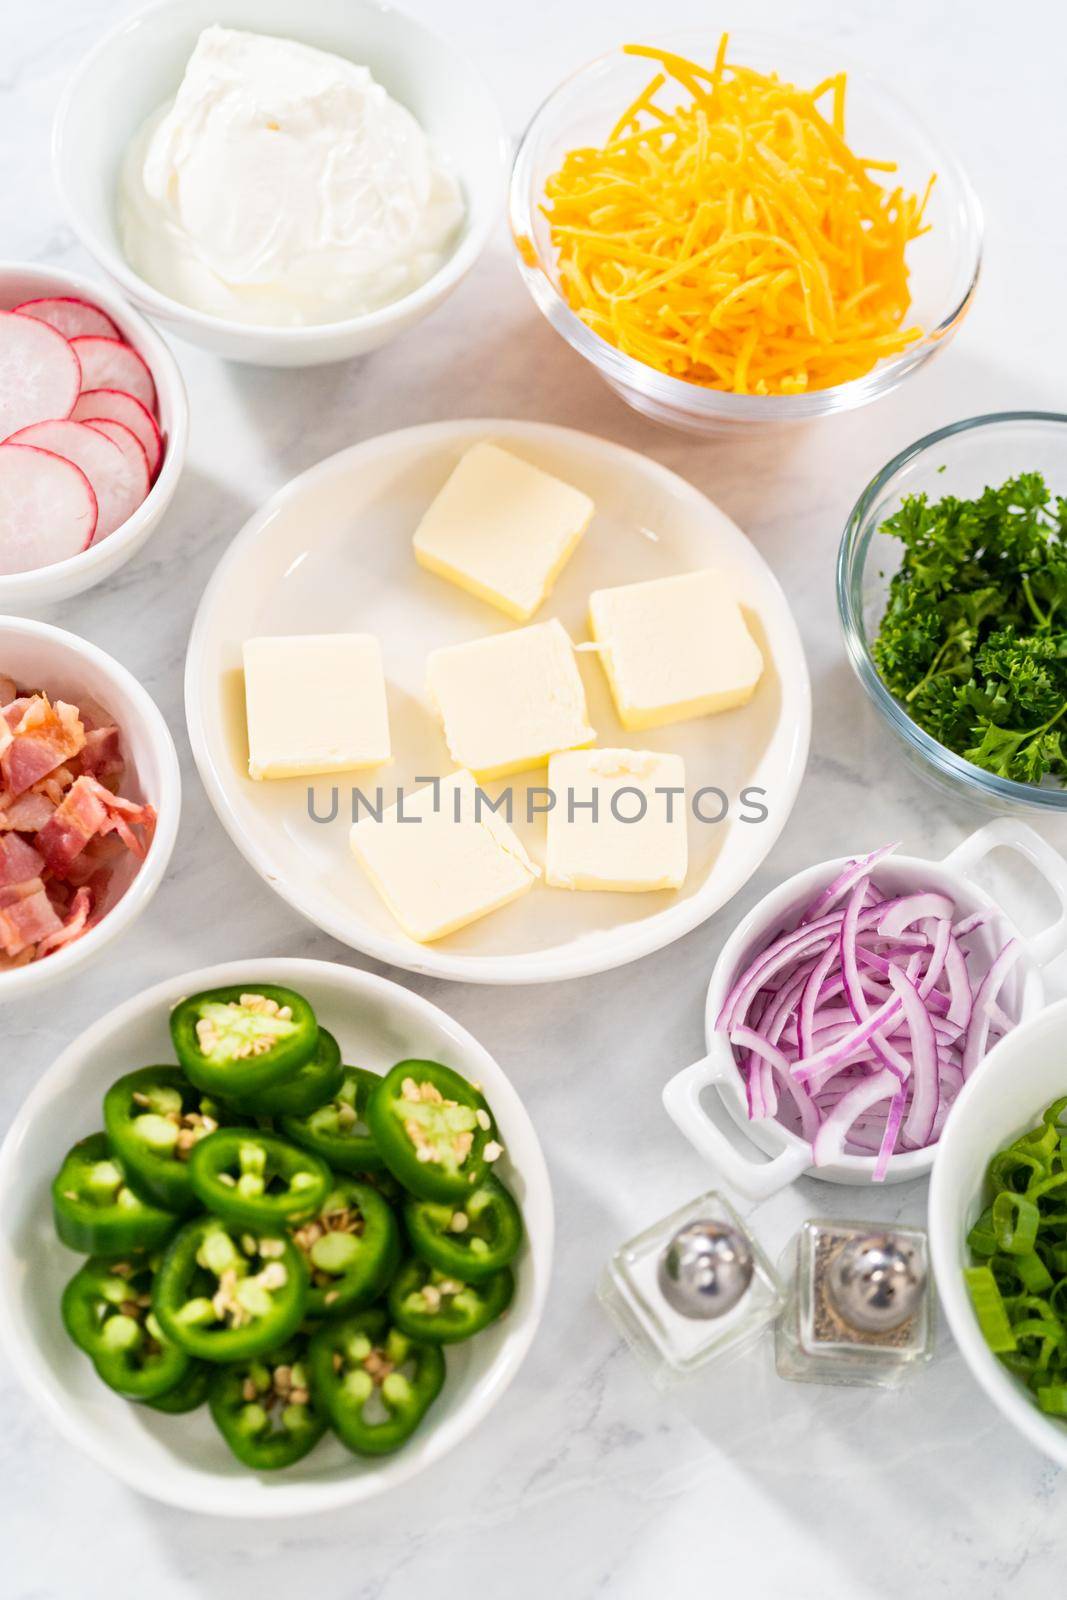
<point>974,637</point>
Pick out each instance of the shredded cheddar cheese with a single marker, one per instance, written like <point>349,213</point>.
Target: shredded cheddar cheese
<point>730,236</point>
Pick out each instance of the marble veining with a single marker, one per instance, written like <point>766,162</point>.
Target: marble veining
<point>584,1481</point>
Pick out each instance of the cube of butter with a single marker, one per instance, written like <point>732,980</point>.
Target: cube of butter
<point>510,701</point>
<point>614,825</point>
<point>315,703</point>
<point>502,529</point>
<point>674,648</point>
<point>457,863</point>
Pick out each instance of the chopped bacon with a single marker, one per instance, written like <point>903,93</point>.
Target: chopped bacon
<point>102,755</point>
<point>11,893</point>
<point>99,856</point>
<point>62,826</point>
<point>18,860</point>
<point>44,738</point>
<point>88,810</point>
<point>15,710</point>
<point>55,786</point>
<point>79,817</point>
<point>74,926</point>
<point>27,814</point>
<point>27,921</point>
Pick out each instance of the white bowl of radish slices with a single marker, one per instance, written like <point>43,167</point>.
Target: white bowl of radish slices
<point>93,425</point>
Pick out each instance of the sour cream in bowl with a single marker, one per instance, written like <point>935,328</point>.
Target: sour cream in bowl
<point>284,183</point>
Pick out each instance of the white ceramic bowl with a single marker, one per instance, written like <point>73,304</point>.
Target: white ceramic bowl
<point>26,591</point>
<point>183,1461</point>
<point>331,553</point>
<point>738,1160</point>
<point>68,668</point>
<point>1025,1072</point>
<point>139,65</point>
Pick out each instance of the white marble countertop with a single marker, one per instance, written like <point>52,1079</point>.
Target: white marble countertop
<point>584,1481</point>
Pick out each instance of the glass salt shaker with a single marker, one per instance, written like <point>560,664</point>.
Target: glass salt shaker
<point>691,1289</point>
<point>859,1306</point>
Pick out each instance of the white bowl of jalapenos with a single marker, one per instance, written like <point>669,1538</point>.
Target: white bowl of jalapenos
<point>279,1270</point>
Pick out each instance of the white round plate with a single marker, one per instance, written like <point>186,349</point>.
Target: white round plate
<point>183,1460</point>
<point>332,553</point>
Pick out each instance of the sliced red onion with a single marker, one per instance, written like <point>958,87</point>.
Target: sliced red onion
<point>866,1005</point>
<point>890,1136</point>
<point>911,908</point>
<point>829,1142</point>
<point>859,868</point>
<point>746,1039</point>
<point>801,942</point>
<point>925,1085</point>
<point>961,992</point>
<point>810,999</point>
<point>976,920</point>
<point>978,1032</point>
<point>845,1046</point>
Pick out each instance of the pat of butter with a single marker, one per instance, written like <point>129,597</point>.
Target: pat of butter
<point>674,648</point>
<point>510,701</point>
<point>457,862</point>
<point>619,821</point>
<point>502,529</point>
<point>315,703</point>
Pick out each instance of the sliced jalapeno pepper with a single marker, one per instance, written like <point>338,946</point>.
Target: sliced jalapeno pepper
<point>337,1131</point>
<point>440,1309</point>
<point>107,1310</point>
<point>310,1086</point>
<point>382,1180</point>
<point>225,1294</point>
<point>256,1179</point>
<point>153,1118</point>
<point>189,1393</point>
<point>96,1211</point>
<point>433,1129</point>
<point>471,1240</point>
<point>238,1041</point>
<point>265,1410</point>
<point>374,1384</point>
<point>352,1248</point>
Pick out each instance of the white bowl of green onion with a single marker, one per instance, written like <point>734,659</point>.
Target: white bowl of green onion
<point>998,1227</point>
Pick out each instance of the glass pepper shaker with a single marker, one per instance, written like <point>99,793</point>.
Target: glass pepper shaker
<point>691,1289</point>
<point>859,1306</point>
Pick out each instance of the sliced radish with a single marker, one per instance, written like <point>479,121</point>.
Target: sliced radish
<point>128,443</point>
<point>110,364</point>
<point>118,484</point>
<point>70,317</point>
<point>119,407</point>
<point>39,373</point>
<point>47,508</point>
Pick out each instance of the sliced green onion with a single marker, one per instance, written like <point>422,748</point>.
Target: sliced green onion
<point>1052,1398</point>
<point>1015,1220</point>
<point>1033,1273</point>
<point>989,1309</point>
<point>982,1238</point>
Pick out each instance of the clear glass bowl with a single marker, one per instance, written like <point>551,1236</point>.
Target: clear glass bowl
<point>944,263</point>
<point>959,460</point>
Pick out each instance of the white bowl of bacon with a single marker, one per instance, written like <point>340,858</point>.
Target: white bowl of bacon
<point>847,1010</point>
<point>90,795</point>
<point>93,425</point>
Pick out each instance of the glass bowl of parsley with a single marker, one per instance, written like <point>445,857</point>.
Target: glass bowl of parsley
<point>952,589</point>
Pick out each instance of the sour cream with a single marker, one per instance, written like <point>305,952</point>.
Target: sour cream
<point>283,186</point>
